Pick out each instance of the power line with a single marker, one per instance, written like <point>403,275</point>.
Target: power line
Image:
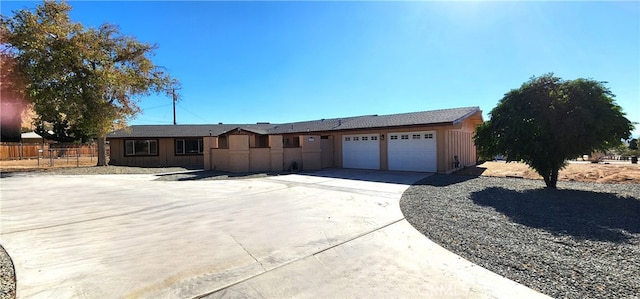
<point>202,119</point>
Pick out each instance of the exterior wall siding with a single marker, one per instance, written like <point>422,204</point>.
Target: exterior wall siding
<point>166,155</point>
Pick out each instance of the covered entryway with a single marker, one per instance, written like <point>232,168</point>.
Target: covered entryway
<point>361,151</point>
<point>412,151</point>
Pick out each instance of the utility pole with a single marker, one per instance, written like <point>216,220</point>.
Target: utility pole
<point>173,92</point>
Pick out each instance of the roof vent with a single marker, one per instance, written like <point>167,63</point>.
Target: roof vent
<point>262,123</point>
<point>339,122</point>
<point>219,123</point>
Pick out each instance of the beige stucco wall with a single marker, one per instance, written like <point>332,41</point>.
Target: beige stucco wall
<point>326,148</point>
<point>238,153</point>
<point>219,159</point>
<point>260,159</point>
<point>277,153</point>
<point>311,152</point>
<point>291,154</point>
<point>241,157</point>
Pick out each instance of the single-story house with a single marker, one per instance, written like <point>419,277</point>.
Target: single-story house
<point>428,141</point>
<point>33,137</point>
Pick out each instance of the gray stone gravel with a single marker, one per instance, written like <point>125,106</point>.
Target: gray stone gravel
<point>7,276</point>
<point>580,241</point>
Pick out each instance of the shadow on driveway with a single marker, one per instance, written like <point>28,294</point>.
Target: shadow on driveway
<point>581,214</point>
<point>378,176</point>
<point>213,175</point>
<point>394,177</point>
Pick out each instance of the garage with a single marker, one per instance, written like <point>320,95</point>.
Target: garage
<point>412,151</point>
<point>361,151</point>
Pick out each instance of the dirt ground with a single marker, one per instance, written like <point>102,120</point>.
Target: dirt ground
<point>604,172</point>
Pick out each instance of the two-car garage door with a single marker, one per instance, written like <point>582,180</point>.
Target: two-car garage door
<point>407,151</point>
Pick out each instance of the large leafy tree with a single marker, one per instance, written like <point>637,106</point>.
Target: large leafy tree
<point>548,120</point>
<point>84,81</point>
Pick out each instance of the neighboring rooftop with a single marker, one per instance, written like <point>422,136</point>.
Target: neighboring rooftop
<point>444,116</point>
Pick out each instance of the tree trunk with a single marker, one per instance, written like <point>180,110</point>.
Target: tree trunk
<point>554,179</point>
<point>551,178</point>
<point>102,151</point>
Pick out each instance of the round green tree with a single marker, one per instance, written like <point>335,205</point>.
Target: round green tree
<point>548,120</point>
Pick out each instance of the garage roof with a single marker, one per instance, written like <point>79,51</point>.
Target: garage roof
<point>444,116</point>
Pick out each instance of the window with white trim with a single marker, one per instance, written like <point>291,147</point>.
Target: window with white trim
<point>141,147</point>
<point>394,137</point>
<point>374,138</point>
<point>191,146</point>
<point>365,138</point>
<point>356,138</point>
<point>428,136</point>
<point>347,139</point>
<point>404,136</point>
<point>415,136</point>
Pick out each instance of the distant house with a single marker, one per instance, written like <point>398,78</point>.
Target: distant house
<point>32,137</point>
<point>428,141</point>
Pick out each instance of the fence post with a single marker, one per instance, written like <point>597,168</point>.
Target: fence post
<point>77,158</point>
<point>50,157</point>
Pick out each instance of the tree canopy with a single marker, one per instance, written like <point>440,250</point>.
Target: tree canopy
<point>548,120</point>
<point>81,80</point>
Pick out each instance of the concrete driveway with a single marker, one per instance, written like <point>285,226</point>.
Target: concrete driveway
<point>335,233</point>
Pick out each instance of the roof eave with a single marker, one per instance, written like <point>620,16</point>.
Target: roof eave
<point>467,115</point>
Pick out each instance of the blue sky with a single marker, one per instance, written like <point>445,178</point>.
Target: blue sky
<point>246,62</point>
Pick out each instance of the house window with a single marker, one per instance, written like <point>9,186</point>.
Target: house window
<point>365,138</point>
<point>356,138</point>
<point>415,136</point>
<point>140,147</point>
<point>223,142</point>
<point>394,137</point>
<point>428,136</point>
<point>291,141</point>
<point>347,139</point>
<point>374,138</point>
<point>262,141</point>
<point>404,136</point>
<point>189,146</point>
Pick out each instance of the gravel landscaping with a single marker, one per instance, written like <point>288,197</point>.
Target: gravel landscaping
<point>7,276</point>
<point>580,241</point>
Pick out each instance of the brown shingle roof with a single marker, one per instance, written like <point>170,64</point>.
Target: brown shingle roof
<point>444,116</point>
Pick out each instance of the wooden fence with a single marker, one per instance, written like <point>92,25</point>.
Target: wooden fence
<point>19,151</point>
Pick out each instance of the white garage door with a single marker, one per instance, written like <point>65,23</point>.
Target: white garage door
<point>412,151</point>
<point>361,151</point>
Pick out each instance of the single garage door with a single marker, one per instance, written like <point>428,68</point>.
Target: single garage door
<point>361,151</point>
<point>412,151</point>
